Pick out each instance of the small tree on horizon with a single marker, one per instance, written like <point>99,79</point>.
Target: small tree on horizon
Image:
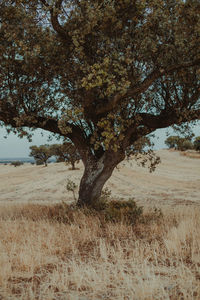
<point>66,152</point>
<point>102,74</point>
<point>41,154</point>
<point>172,142</point>
<point>179,143</point>
<point>16,163</point>
<point>185,144</point>
<point>197,143</point>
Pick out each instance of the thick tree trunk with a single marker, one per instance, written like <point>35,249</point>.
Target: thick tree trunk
<point>96,173</point>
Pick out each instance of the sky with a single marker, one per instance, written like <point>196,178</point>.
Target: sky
<point>13,146</point>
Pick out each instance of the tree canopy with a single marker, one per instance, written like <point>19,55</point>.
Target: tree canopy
<point>41,154</point>
<point>179,143</point>
<point>101,73</point>
<point>66,152</point>
<point>197,143</point>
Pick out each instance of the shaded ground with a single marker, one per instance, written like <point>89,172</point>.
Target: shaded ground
<point>175,181</point>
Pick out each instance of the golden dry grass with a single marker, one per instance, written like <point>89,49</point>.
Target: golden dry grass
<point>85,258</point>
<point>45,260</point>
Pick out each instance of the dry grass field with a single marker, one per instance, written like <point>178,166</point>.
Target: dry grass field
<point>46,259</point>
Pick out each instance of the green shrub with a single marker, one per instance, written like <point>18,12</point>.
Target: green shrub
<point>184,144</point>
<point>17,163</point>
<point>106,210</point>
<point>102,203</point>
<point>123,211</point>
<point>115,211</point>
<point>109,210</point>
<point>197,143</point>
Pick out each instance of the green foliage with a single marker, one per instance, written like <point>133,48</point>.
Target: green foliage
<point>88,59</point>
<point>197,143</point>
<point>179,143</point>
<point>172,142</point>
<point>115,211</point>
<point>123,211</point>
<point>17,163</point>
<point>66,152</point>
<point>41,154</point>
<point>184,144</point>
<point>103,74</point>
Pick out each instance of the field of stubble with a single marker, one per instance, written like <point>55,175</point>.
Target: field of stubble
<point>44,259</point>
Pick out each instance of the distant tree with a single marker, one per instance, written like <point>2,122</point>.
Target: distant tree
<point>41,154</point>
<point>16,163</point>
<point>66,152</point>
<point>197,143</point>
<point>172,142</point>
<point>179,143</point>
<point>184,144</point>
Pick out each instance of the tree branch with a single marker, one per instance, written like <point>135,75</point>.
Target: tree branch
<point>149,123</point>
<point>144,85</point>
<point>54,20</point>
<point>9,116</point>
<point>165,119</point>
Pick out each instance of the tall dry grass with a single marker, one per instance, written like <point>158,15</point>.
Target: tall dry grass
<point>43,259</point>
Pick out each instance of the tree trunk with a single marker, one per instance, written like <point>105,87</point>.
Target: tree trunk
<point>96,173</point>
<point>73,165</point>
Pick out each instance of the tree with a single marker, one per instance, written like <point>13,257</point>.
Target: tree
<point>100,73</point>
<point>184,144</point>
<point>172,141</point>
<point>179,143</point>
<point>66,152</point>
<point>16,163</point>
<point>41,154</point>
<point>197,143</point>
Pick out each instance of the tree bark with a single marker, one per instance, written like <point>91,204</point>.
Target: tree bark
<point>73,165</point>
<point>96,173</point>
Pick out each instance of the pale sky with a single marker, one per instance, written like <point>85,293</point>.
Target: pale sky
<point>13,146</point>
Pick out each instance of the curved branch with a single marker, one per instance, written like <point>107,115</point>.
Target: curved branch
<point>148,123</point>
<point>54,20</point>
<point>10,116</point>
<point>144,85</point>
<point>166,119</point>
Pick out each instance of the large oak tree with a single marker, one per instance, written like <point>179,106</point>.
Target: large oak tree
<point>102,73</point>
